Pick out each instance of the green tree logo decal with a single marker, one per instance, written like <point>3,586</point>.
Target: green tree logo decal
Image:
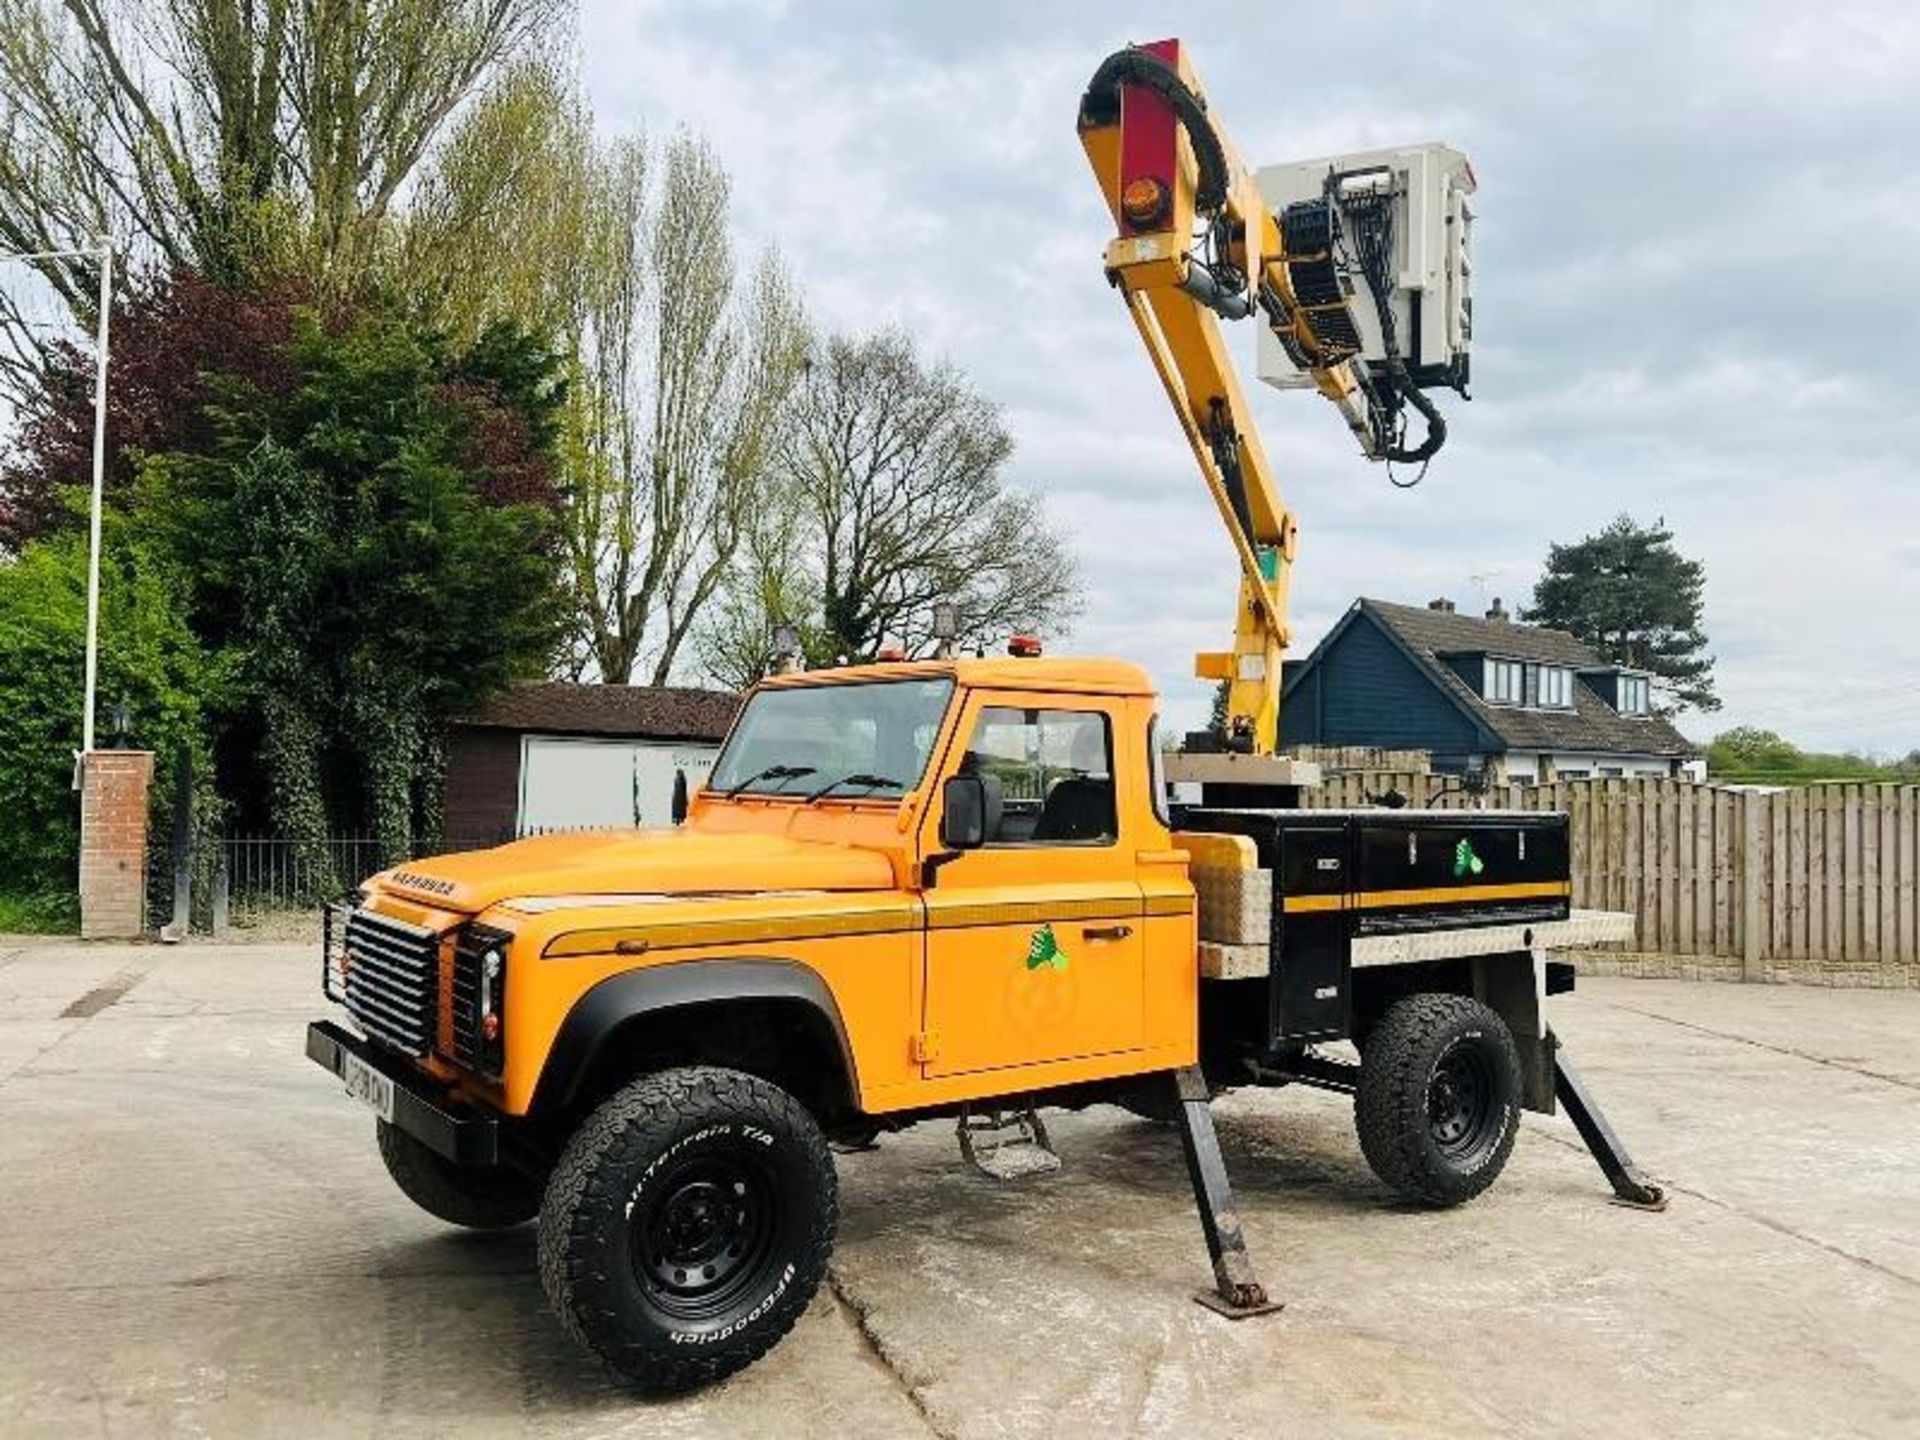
<point>1465,862</point>
<point>1043,950</point>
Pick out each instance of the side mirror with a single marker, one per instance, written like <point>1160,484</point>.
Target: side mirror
<point>679,796</point>
<point>963,813</point>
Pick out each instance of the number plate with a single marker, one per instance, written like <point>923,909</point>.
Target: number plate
<point>367,1084</point>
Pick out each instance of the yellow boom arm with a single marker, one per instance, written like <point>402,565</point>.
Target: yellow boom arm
<point>1196,243</point>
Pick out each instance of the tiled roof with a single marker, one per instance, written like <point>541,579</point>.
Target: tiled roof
<point>667,712</point>
<point>1444,632</point>
<point>1591,726</point>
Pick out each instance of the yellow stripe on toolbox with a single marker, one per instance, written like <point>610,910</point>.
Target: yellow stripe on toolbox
<point>1393,899</point>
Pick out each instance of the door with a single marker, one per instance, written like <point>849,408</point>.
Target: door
<point>569,783</point>
<point>1035,945</point>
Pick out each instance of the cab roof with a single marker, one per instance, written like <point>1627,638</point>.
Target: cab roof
<point>1066,674</point>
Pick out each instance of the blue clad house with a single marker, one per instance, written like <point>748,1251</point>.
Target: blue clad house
<point>1526,703</point>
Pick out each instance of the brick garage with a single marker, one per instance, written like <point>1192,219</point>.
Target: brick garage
<point>488,751</point>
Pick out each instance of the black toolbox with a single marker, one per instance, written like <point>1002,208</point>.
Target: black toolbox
<point>1341,874</point>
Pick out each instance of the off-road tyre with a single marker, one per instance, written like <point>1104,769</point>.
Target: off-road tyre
<point>1438,1103</point>
<point>491,1197</point>
<point>687,1226</point>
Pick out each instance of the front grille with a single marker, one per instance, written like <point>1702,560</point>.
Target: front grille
<point>392,981</point>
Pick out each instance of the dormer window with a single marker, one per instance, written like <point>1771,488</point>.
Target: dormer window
<point>1555,686</point>
<point>1506,682</point>
<point>1635,698</point>
<point>1538,687</point>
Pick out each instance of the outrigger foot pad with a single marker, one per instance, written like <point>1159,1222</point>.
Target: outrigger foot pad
<point>1630,1188</point>
<point>1255,1302</point>
<point>1236,1293</point>
<point>1655,1201</point>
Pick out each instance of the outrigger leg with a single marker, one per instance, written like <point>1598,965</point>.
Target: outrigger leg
<point>1236,1293</point>
<point>1630,1187</point>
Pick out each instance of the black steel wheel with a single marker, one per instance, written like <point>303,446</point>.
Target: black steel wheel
<point>687,1225</point>
<point>707,1231</point>
<point>1438,1103</point>
<point>1462,1111</point>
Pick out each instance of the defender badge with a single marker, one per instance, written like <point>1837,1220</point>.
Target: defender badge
<point>1044,951</point>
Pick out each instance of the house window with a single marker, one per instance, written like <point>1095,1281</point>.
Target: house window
<point>1555,687</point>
<point>1633,695</point>
<point>1506,682</point>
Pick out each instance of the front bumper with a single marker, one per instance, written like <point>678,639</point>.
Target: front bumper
<point>420,1107</point>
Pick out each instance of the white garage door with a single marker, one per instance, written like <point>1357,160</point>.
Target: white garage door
<point>573,784</point>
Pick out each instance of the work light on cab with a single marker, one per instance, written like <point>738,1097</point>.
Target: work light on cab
<point>1024,647</point>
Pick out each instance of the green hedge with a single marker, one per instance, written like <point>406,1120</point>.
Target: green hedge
<point>149,661</point>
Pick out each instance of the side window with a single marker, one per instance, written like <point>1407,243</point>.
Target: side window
<point>1048,774</point>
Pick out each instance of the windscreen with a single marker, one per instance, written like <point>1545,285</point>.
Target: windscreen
<point>873,739</point>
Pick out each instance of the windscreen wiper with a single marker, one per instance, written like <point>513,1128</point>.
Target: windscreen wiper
<point>866,782</point>
<point>772,772</point>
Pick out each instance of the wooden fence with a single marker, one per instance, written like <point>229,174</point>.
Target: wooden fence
<point>1817,883</point>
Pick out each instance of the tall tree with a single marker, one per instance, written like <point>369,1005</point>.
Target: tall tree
<point>1632,596</point>
<point>224,135</point>
<point>682,362</point>
<point>519,215</point>
<point>894,497</point>
<point>684,367</point>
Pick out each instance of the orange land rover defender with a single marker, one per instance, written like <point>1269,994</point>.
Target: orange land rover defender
<point>907,890</point>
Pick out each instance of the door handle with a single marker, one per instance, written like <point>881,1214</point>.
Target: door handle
<point>1105,932</point>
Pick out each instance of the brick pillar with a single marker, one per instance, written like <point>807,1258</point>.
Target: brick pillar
<point>113,843</point>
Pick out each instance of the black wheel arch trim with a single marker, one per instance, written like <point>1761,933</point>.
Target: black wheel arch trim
<point>652,990</point>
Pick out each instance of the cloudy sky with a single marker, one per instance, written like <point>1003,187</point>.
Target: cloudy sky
<point>1693,298</point>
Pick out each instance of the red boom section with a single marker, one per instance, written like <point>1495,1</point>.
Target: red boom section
<point>1149,139</point>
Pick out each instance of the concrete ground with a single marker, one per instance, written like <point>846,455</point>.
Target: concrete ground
<point>196,1237</point>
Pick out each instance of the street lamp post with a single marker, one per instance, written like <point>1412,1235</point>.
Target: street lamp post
<point>99,491</point>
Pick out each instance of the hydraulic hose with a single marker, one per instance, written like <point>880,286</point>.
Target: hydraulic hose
<point>1373,240</point>
<point>1436,425</point>
<point>1100,105</point>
